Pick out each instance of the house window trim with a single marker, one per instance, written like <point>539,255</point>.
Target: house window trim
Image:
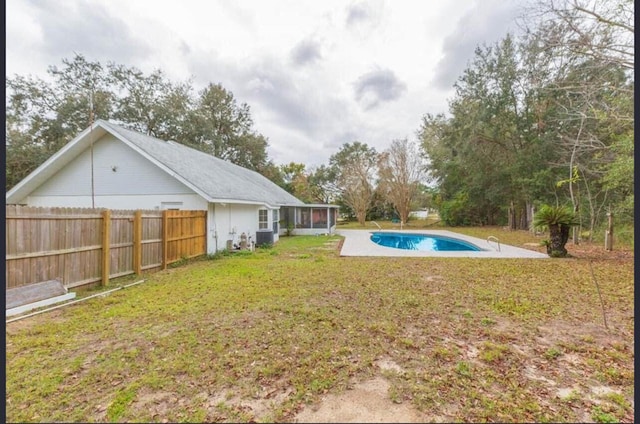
<point>263,224</point>
<point>275,220</point>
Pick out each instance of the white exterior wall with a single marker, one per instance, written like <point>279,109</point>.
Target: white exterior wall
<point>146,202</point>
<point>229,221</point>
<point>122,179</point>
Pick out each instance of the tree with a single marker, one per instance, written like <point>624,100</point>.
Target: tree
<point>547,108</point>
<point>297,181</point>
<point>489,148</point>
<point>558,219</point>
<point>42,116</point>
<point>219,126</point>
<point>591,43</point>
<point>355,166</point>
<point>323,185</point>
<point>291,173</point>
<point>272,172</point>
<point>401,169</point>
<point>619,178</point>
<point>601,30</point>
<point>150,104</point>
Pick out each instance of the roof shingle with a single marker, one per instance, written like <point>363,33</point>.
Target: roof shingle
<point>219,179</point>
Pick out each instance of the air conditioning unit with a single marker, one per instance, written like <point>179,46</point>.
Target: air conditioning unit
<point>264,237</point>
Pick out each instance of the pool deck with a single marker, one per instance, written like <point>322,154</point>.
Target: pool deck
<point>358,243</point>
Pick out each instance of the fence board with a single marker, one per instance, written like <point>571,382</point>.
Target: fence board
<point>186,234</point>
<point>68,243</point>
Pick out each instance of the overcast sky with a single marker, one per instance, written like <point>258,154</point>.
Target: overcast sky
<point>315,73</point>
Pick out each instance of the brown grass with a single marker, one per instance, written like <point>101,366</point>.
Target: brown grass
<point>255,337</point>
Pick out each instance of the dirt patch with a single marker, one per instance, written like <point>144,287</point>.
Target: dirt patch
<point>366,402</point>
<point>587,250</point>
<point>157,404</point>
<point>26,323</point>
<point>553,333</point>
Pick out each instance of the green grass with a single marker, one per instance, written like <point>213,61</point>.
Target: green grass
<point>281,326</point>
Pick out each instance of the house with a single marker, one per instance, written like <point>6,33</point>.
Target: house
<point>107,166</point>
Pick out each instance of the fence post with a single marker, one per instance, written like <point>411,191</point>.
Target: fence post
<point>165,238</point>
<point>137,242</point>
<point>106,242</point>
<point>608,236</point>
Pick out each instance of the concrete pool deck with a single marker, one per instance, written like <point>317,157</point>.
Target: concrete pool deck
<point>358,243</point>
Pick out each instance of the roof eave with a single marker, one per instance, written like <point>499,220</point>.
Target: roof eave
<point>52,165</point>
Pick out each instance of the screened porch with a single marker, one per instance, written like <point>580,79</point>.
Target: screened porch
<point>308,219</point>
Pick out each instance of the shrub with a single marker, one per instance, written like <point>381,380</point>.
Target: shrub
<point>454,212</point>
<point>558,220</point>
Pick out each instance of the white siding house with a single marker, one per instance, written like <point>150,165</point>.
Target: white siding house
<point>107,166</point>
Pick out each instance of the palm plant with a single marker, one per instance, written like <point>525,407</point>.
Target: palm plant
<point>558,219</point>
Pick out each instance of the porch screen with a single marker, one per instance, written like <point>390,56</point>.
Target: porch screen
<point>303,218</point>
<point>319,218</point>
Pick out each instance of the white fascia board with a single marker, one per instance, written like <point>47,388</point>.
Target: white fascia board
<point>238,202</point>
<point>318,205</point>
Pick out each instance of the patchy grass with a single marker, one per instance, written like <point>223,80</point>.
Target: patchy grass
<point>254,337</point>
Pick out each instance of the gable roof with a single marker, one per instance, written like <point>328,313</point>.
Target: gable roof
<point>214,179</point>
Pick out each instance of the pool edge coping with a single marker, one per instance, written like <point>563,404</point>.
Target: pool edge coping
<point>358,243</point>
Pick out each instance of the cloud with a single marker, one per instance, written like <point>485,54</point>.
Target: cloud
<point>486,23</point>
<point>336,141</point>
<point>299,110</point>
<point>305,52</point>
<point>89,29</point>
<point>364,16</point>
<point>240,15</point>
<point>380,85</point>
<point>299,66</point>
<point>357,13</point>
<point>272,86</point>
<point>274,90</point>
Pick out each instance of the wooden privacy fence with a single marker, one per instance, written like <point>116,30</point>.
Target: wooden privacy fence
<point>83,246</point>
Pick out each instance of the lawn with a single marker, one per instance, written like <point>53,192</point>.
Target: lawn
<point>257,336</point>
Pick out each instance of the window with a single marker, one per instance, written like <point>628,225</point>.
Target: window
<point>276,218</point>
<point>263,219</point>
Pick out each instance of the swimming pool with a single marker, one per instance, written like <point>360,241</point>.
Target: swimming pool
<point>359,243</point>
<point>422,242</point>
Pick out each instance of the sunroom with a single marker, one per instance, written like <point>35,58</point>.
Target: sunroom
<point>309,219</point>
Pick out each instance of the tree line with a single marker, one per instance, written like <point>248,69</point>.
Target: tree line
<point>544,118</point>
<point>43,116</point>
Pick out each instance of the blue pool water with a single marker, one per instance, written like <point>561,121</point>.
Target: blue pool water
<point>422,242</point>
